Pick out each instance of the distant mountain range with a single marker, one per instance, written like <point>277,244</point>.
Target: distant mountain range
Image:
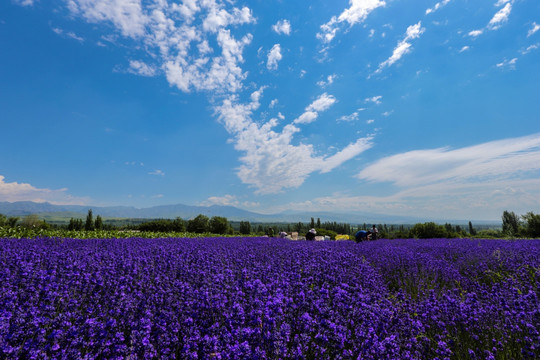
<point>47,210</point>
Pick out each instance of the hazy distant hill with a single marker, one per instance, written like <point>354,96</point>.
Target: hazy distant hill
<point>22,208</point>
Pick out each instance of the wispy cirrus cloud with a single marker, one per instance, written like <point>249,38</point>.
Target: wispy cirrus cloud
<point>68,34</point>
<point>437,6</point>
<point>508,64</point>
<point>356,13</point>
<point>403,47</point>
<point>500,17</point>
<point>498,160</point>
<point>473,182</point>
<point>535,27</point>
<point>497,20</point>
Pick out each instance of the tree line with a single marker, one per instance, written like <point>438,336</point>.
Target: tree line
<point>513,226</point>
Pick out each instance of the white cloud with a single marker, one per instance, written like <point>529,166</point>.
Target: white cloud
<point>273,103</point>
<point>500,17</point>
<point>223,73</point>
<point>374,99</point>
<point>274,56</point>
<point>322,103</point>
<point>69,34</point>
<point>534,29</point>
<point>171,42</point>
<point>282,27</point>
<point>509,64</point>
<point>437,6</point>
<point>126,15</point>
<point>497,20</point>
<point>307,117</point>
<point>475,33</point>
<point>157,173</point>
<point>228,200</point>
<point>444,201</point>
<point>140,68</point>
<point>530,48</point>
<point>356,13</point>
<point>370,121</point>
<point>188,9</point>
<point>470,183</point>
<point>271,163</point>
<point>24,2</point>
<point>207,55</point>
<point>218,17</point>
<point>74,36</point>
<point>329,81</point>
<point>404,46</point>
<point>496,160</point>
<point>352,117</point>
<point>465,48</point>
<point>13,191</point>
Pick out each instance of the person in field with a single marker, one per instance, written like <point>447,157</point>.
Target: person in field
<point>310,235</point>
<point>374,233</point>
<point>362,235</point>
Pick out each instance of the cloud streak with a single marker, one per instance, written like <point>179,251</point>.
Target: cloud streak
<point>497,20</point>
<point>403,47</point>
<point>355,14</point>
<point>496,160</point>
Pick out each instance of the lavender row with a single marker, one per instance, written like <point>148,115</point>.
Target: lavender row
<point>250,298</point>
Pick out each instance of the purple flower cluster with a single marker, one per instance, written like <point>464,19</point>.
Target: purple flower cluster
<point>255,298</point>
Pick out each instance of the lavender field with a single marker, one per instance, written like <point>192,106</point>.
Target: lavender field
<point>260,298</point>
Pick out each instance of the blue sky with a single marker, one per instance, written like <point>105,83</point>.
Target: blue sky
<point>420,108</point>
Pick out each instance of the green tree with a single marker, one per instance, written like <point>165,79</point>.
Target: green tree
<point>510,223</point>
<point>179,225</point>
<point>312,223</point>
<point>75,224</point>
<point>218,225</point>
<point>199,224</point>
<point>3,220</point>
<point>89,226</point>
<point>532,222</point>
<point>245,227</point>
<point>472,231</point>
<point>98,224</point>
<point>12,221</point>
<point>428,230</point>
<point>32,221</point>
